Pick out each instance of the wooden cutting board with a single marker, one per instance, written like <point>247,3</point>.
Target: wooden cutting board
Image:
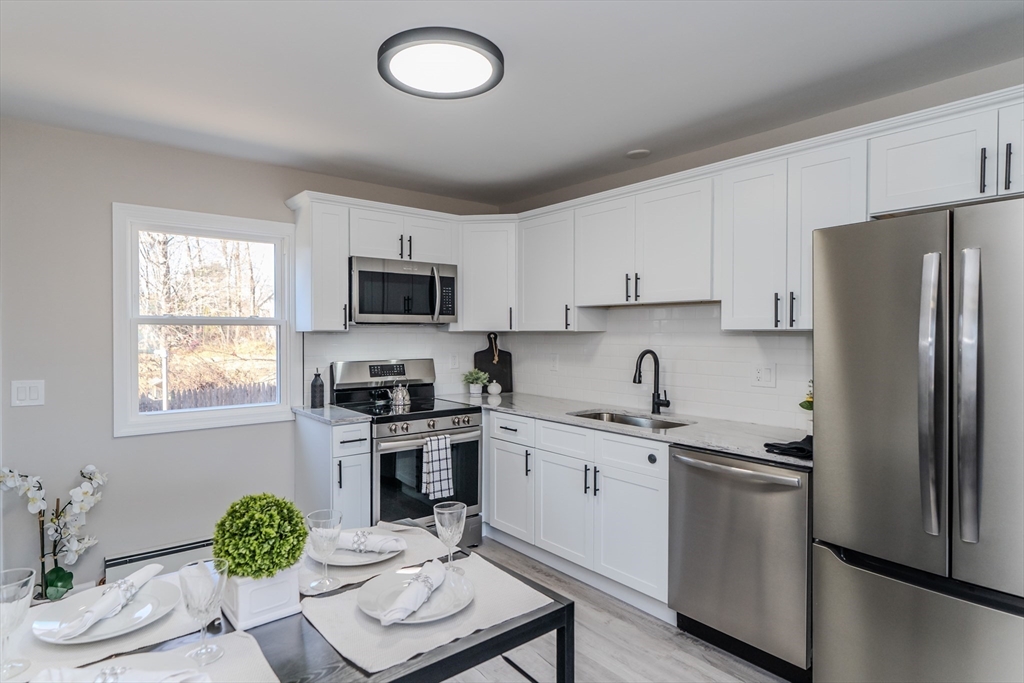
<point>500,370</point>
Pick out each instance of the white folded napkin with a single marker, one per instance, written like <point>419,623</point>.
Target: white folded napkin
<point>391,526</point>
<point>426,581</point>
<point>367,542</point>
<point>90,674</point>
<point>110,601</point>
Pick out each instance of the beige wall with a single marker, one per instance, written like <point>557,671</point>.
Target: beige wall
<point>958,88</point>
<point>56,190</point>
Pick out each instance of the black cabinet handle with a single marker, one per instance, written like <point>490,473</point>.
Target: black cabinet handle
<point>595,480</point>
<point>341,485</point>
<point>984,159</point>
<point>527,461</point>
<point>636,286</point>
<point>627,286</point>
<point>344,314</point>
<point>567,316</point>
<point>410,247</point>
<point>792,307</point>
<point>586,478</point>
<point>401,246</point>
<point>352,440</point>
<point>777,321</point>
<point>1006,179</point>
<point>507,429</point>
<point>510,317</point>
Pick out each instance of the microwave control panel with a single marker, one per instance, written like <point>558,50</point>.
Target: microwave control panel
<point>447,296</point>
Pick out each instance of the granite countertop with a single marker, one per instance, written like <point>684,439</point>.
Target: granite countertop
<point>742,439</point>
<point>332,415</point>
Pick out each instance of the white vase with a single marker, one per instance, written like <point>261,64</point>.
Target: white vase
<point>493,388</point>
<point>475,389</point>
<point>251,602</point>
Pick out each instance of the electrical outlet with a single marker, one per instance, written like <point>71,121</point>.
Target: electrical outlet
<point>763,375</point>
<point>28,392</point>
<point>553,362</point>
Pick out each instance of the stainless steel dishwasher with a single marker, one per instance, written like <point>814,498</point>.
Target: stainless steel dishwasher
<point>739,550</point>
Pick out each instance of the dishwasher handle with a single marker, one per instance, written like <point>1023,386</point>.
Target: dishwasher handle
<point>740,473</point>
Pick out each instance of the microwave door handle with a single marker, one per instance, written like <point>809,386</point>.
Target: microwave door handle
<point>926,383</point>
<point>967,385</point>
<point>437,294</point>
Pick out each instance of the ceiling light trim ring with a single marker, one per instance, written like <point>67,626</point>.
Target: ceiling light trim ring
<point>440,35</point>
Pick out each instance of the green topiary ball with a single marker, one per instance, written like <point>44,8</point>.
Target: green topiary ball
<point>259,536</point>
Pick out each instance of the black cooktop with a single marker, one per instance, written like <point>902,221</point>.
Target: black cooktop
<point>420,408</point>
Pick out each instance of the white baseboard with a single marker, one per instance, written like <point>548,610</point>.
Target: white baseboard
<point>615,589</point>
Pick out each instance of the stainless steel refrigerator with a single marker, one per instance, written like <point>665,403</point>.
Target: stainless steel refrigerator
<point>918,512</point>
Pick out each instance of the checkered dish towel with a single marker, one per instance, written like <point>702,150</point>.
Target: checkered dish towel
<point>437,468</point>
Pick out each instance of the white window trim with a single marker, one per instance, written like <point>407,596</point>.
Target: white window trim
<point>128,220</point>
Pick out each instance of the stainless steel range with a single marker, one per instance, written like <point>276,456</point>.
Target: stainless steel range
<point>400,426</point>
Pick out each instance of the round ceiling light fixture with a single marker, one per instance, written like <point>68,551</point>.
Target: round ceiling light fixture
<point>440,63</point>
<point>638,153</point>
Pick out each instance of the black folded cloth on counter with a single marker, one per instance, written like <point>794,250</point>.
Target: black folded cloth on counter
<point>803,448</point>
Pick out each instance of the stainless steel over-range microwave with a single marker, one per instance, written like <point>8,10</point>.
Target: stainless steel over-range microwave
<point>392,291</point>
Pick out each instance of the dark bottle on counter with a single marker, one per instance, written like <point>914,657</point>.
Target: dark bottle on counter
<point>316,391</point>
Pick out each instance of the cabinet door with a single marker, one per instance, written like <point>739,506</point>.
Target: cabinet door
<point>1011,149</point>
<point>827,187</point>
<point>753,246</point>
<point>428,240</point>
<point>321,268</point>
<point>351,495</point>
<point>673,243</point>
<point>488,276</point>
<point>944,162</point>
<point>604,264</point>
<point>631,530</point>
<point>546,273</point>
<point>511,489</point>
<point>377,234</point>
<point>564,507</point>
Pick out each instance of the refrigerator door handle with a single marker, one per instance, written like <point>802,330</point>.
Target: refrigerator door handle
<point>926,381</point>
<point>967,392</point>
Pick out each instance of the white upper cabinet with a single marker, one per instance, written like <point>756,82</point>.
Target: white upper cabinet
<point>546,273</point>
<point>1011,150</point>
<point>949,161</point>
<point>605,239</point>
<point>673,243</point>
<point>827,187</point>
<point>321,267</point>
<point>488,277</point>
<point>380,234</point>
<point>753,246</point>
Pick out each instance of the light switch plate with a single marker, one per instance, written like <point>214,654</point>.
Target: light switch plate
<point>763,375</point>
<point>28,392</point>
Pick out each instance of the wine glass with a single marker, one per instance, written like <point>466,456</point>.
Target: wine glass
<point>15,595</point>
<point>324,529</point>
<point>450,518</point>
<point>202,587</point>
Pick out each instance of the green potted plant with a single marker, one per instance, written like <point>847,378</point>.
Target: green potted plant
<point>476,379</point>
<point>262,538</point>
<point>808,405</point>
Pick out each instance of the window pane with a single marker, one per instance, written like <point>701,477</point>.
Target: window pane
<point>204,276</point>
<point>206,366</point>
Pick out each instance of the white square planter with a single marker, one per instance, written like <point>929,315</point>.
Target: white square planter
<point>251,602</point>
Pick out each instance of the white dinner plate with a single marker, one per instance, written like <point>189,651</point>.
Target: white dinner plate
<point>379,593</point>
<point>153,601</point>
<point>342,557</point>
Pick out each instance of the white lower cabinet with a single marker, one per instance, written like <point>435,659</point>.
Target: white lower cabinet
<point>352,490</point>
<point>511,489</point>
<point>564,507</point>
<point>332,469</point>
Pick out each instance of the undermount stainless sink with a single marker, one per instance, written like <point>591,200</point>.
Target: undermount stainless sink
<point>634,420</point>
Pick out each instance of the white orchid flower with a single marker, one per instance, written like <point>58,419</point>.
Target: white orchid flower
<point>9,479</point>
<point>83,497</point>
<point>95,476</point>
<point>28,484</point>
<point>36,501</point>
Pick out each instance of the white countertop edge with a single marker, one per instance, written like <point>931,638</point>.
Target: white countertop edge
<point>332,415</point>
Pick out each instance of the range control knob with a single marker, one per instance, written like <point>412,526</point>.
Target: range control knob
<point>430,424</point>
<point>455,421</point>
<point>466,420</point>
<point>405,426</point>
<point>393,428</point>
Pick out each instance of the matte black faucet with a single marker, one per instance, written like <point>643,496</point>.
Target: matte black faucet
<point>657,402</point>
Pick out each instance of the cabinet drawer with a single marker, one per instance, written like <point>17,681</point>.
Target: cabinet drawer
<point>565,439</point>
<point>630,453</point>
<point>351,439</point>
<point>512,428</point>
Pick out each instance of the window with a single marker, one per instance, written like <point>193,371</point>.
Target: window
<point>201,320</point>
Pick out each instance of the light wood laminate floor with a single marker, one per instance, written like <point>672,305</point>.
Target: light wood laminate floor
<point>614,641</point>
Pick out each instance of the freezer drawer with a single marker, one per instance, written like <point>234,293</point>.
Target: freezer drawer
<point>868,627</point>
<point>738,550</point>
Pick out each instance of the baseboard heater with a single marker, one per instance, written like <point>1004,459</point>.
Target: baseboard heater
<point>172,557</point>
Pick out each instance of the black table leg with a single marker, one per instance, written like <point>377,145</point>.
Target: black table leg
<point>565,658</point>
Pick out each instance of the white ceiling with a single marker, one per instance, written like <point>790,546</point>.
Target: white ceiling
<point>295,83</point>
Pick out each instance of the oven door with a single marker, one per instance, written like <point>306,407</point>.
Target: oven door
<point>386,291</point>
<point>397,476</point>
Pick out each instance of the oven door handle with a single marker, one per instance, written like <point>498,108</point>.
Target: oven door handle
<point>410,444</point>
